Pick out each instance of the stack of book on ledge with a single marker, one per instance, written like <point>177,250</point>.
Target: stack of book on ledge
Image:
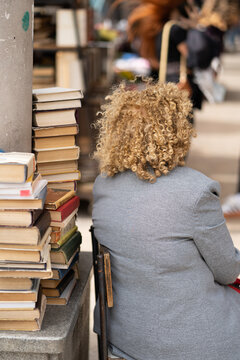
<point>65,246</point>
<point>54,135</point>
<point>24,243</point>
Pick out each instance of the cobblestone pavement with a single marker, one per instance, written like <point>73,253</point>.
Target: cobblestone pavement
<point>215,152</point>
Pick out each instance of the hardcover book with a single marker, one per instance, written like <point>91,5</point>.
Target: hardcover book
<point>57,105</point>
<point>56,94</point>
<point>58,274</point>
<point>54,142</point>
<point>21,190</point>
<point>59,154</point>
<point>63,254</point>
<point>66,185</point>
<point>65,210</point>
<point>15,284</point>
<point>20,295</point>
<point>64,297</point>
<point>65,176</point>
<point>22,218</point>
<point>54,118</point>
<point>59,130</point>
<point>55,198</point>
<point>58,243</point>
<point>58,290</point>
<point>25,194</point>
<point>16,167</point>
<point>57,167</point>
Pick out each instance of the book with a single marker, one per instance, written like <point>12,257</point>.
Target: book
<point>54,118</point>
<point>41,184</point>
<point>57,244</point>
<point>55,131</point>
<point>63,254</point>
<point>70,70</point>
<point>66,185</point>
<point>17,305</point>
<point>59,154</point>
<point>25,314</point>
<point>57,105</point>
<point>25,204</point>
<point>27,273</point>
<point>64,297</point>
<point>56,94</point>
<point>58,290</point>
<point>58,273</point>
<point>20,295</point>
<point>53,142</point>
<point>55,198</point>
<point>65,210</point>
<point>60,233</point>
<point>57,167</point>
<point>60,225</point>
<point>63,177</point>
<point>15,284</point>
<point>16,167</point>
<point>66,27</point>
<point>19,218</point>
<point>31,235</point>
<point>25,325</point>
<point>26,189</point>
<point>65,266</point>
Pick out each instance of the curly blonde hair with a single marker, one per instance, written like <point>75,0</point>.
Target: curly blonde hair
<point>146,131</point>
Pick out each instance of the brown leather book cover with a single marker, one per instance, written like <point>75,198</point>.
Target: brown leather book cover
<point>57,197</point>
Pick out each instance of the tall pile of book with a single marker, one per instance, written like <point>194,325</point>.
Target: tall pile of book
<point>54,136</point>
<point>65,245</point>
<point>24,243</point>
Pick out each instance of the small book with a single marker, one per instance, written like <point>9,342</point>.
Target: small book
<point>65,210</point>
<point>65,266</point>
<point>54,118</point>
<point>55,198</point>
<point>63,254</point>
<point>64,177</point>
<point>60,225</point>
<point>57,167</point>
<point>20,295</point>
<point>15,284</point>
<point>56,292</point>
<point>66,185</point>
<point>29,236</point>
<point>53,142</point>
<point>56,94</point>
<point>57,244</point>
<point>59,154</point>
<point>21,190</point>
<point>25,325</point>
<point>57,105</point>
<point>64,297</point>
<point>19,218</point>
<point>41,184</point>
<point>16,167</point>
<point>25,314</point>
<point>58,273</point>
<point>25,204</point>
<point>60,130</point>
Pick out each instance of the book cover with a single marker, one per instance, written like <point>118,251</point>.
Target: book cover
<point>19,218</point>
<point>57,105</point>
<point>55,198</point>
<point>16,167</point>
<point>54,118</point>
<point>54,142</point>
<point>57,167</point>
<point>65,210</point>
<point>63,254</point>
<point>59,154</point>
<point>59,130</point>
<point>56,292</point>
<point>56,94</point>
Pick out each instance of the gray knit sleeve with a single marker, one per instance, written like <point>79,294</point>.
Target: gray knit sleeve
<point>212,237</point>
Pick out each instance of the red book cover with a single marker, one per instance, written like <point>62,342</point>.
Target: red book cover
<point>65,210</point>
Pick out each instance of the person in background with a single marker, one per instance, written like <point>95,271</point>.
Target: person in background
<point>172,256</point>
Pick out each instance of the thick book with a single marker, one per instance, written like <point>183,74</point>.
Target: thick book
<point>65,185</point>
<point>53,283</point>
<point>65,296</point>
<point>63,177</point>
<point>57,105</point>
<point>25,314</point>
<point>20,295</point>
<point>66,224</point>
<point>22,218</point>
<point>55,198</point>
<point>61,286</point>
<point>41,184</point>
<point>54,118</point>
<point>15,284</point>
<point>57,241</point>
<point>24,204</point>
<point>21,190</point>
<point>16,167</point>
<point>40,132</point>
<point>58,274</point>
<point>31,235</point>
<point>65,266</point>
<point>59,154</point>
<point>25,325</point>
<point>57,167</point>
<point>63,254</point>
<point>65,210</point>
<point>56,94</point>
<point>53,142</point>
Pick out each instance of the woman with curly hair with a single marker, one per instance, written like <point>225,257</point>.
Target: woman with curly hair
<point>171,252</point>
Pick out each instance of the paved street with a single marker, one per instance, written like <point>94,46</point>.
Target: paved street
<point>215,152</point>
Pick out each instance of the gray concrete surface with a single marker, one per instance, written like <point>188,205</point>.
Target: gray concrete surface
<point>215,152</point>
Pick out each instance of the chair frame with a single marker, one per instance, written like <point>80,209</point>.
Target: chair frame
<point>103,291</point>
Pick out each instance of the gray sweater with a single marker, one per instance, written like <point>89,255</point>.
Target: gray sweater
<point>171,256</point>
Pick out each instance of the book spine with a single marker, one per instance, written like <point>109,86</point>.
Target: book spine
<point>65,281</point>
<point>43,223</point>
<point>68,208</point>
<point>70,246</point>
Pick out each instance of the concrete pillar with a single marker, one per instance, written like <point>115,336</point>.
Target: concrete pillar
<point>16,58</point>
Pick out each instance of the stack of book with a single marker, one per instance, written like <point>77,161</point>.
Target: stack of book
<point>65,245</point>
<point>24,243</point>
<point>54,135</point>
